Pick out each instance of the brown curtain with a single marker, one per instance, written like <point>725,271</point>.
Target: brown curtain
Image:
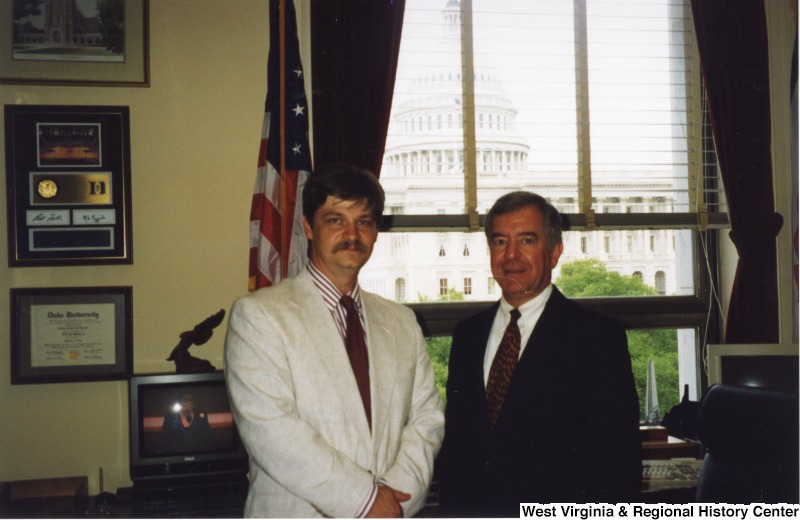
<point>354,49</point>
<point>732,37</point>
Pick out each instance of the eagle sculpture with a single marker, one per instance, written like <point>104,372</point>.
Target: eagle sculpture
<point>186,363</point>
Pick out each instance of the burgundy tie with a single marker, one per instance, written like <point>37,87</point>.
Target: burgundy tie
<point>505,361</point>
<point>357,352</point>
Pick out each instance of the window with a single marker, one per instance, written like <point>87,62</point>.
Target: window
<point>467,286</point>
<point>663,346</point>
<point>400,290</point>
<point>610,130</point>
<point>661,283</point>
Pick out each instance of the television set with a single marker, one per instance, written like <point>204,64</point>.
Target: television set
<point>763,365</point>
<point>204,448</point>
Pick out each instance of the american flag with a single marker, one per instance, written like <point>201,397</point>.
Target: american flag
<point>277,241</point>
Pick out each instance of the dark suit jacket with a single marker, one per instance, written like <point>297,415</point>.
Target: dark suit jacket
<point>177,439</point>
<point>568,430</point>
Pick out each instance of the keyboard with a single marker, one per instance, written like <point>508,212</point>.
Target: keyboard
<point>659,474</point>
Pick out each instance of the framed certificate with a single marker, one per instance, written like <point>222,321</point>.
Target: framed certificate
<point>68,185</point>
<point>71,334</point>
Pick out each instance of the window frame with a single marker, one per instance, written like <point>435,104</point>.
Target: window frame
<point>698,311</point>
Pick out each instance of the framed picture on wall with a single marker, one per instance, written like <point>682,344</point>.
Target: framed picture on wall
<point>61,335</point>
<point>75,42</point>
<point>68,185</point>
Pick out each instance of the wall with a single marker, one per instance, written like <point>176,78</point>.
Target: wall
<point>194,139</point>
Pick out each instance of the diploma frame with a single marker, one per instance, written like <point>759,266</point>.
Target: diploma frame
<point>68,185</point>
<point>71,334</point>
<point>29,62</point>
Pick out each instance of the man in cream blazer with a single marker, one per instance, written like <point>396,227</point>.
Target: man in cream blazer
<point>313,449</point>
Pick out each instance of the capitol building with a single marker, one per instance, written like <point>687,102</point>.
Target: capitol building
<point>423,174</point>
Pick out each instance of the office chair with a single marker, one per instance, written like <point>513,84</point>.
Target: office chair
<point>750,436</point>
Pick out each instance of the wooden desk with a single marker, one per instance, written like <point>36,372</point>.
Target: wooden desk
<point>44,498</point>
<point>671,448</point>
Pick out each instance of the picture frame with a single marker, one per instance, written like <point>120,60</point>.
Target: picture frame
<point>68,185</point>
<point>71,334</point>
<point>90,48</point>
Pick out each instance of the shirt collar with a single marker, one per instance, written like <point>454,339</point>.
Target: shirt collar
<point>330,293</point>
<point>532,306</point>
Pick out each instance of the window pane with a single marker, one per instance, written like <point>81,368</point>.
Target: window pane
<point>424,143</point>
<point>638,97</point>
<point>638,262</point>
<point>526,126</point>
<point>671,350</point>
<point>439,352</point>
<point>527,116</point>
<point>525,76</point>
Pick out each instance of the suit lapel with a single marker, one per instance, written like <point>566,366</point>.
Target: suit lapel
<point>479,338</point>
<point>382,349</point>
<point>326,343</point>
<point>542,336</point>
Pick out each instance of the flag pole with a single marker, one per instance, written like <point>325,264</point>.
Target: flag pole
<point>285,237</point>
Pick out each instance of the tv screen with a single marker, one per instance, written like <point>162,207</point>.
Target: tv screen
<point>181,427</point>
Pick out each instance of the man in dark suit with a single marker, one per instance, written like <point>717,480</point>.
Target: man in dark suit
<point>565,425</point>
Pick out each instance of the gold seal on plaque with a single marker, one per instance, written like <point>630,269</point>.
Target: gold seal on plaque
<point>47,188</point>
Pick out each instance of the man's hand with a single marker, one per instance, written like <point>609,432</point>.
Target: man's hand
<point>387,504</point>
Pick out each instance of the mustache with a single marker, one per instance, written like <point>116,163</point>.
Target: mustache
<point>350,244</point>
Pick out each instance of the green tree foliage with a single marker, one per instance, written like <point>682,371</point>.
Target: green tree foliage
<point>22,9</point>
<point>439,351</point>
<point>660,345</point>
<point>111,16</point>
<point>590,278</point>
<point>25,8</point>
<point>451,296</point>
<point>439,347</point>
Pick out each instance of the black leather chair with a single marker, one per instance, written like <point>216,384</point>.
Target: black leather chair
<point>751,439</point>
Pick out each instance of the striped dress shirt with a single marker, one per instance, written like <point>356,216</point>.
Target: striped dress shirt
<point>332,296</point>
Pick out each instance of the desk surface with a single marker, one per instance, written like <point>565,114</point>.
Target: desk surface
<point>671,448</point>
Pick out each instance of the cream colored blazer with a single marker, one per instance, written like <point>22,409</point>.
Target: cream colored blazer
<point>299,413</point>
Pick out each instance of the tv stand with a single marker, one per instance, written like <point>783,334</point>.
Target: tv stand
<point>219,497</point>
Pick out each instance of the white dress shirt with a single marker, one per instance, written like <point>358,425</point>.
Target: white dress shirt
<point>530,312</point>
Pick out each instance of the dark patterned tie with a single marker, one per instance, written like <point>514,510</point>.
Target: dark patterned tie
<point>357,352</point>
<point>505,361</point>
